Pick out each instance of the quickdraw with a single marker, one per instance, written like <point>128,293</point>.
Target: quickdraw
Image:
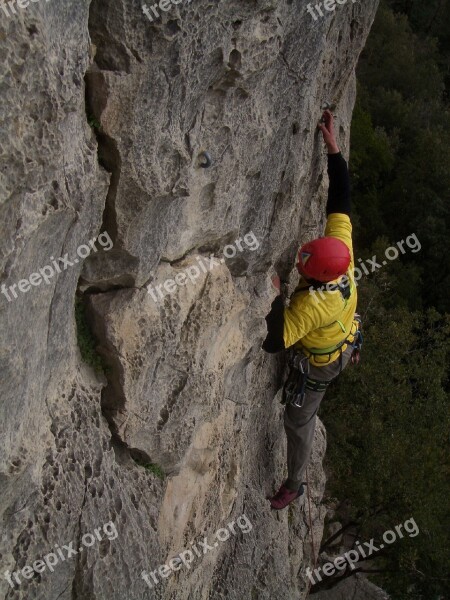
<point>357,342</point>
<point>294,389</point>
<point>299,381</point>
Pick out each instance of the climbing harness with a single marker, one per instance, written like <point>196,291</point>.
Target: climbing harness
<point>357,342</point>
<point>299,380</point>
<point>331,350</point>
<point>294,389</point>
<point>346,290</point>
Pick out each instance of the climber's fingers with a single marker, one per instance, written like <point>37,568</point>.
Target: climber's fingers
<point>327,135</point>
<point>327,118</point>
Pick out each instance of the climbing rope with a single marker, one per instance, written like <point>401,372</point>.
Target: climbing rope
<point>310,528</point>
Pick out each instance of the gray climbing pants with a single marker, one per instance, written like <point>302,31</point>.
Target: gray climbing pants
<point>300,423</point>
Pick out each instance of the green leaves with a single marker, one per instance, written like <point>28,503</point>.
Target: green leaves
<point>93,122</point>
<point>86,341</point>
<point>387,423</point>
<point>152,467</point>
<point>399,159</point>
<point>387,419</point>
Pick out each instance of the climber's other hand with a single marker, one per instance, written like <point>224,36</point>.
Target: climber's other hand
<point>276,283</point>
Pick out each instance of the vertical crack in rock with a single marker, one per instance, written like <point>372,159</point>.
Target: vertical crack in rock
<point>114,269</point>
<point>107,56</point>
<point>112,395</point>
<point>96,95</point>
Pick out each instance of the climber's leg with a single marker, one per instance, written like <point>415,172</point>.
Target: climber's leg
<point>299,423</point>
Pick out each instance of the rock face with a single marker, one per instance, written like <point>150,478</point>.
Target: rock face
<point>356,588</point>
<point>187,387</point>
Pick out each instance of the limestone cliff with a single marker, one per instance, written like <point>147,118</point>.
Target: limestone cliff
<point>106,119</point>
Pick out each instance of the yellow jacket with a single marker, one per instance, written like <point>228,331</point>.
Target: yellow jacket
<point>320,320</point>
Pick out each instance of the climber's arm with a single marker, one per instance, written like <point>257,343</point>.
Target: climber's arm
<point>286,326</point>
<point>274,341</point>
<point>339,190</point>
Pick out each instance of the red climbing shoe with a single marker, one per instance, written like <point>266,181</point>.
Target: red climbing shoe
<point>285,496</point>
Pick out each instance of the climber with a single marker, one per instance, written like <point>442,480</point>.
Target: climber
<point>321,331</point>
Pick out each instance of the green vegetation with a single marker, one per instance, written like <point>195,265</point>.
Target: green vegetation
<point>387,419</point>
<point>93,122</point>
<point>400,161</point>
<point>86,341</point>
<point>152,467</point>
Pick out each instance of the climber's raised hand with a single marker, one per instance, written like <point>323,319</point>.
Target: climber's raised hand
<point>326,126</point>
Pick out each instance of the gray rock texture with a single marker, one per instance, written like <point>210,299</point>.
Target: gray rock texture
<point>104,119</point>
<point>356,588</point>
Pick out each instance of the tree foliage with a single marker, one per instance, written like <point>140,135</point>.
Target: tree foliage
<point>387,419</point>
<point>400,160</point>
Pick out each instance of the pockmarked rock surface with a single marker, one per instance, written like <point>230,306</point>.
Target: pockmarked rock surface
<point>105,116</point>
<point>356,588</point>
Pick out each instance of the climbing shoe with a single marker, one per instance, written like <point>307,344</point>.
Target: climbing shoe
<point>285,496</point>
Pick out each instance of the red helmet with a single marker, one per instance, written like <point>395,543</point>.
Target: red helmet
<point>323,259</point>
